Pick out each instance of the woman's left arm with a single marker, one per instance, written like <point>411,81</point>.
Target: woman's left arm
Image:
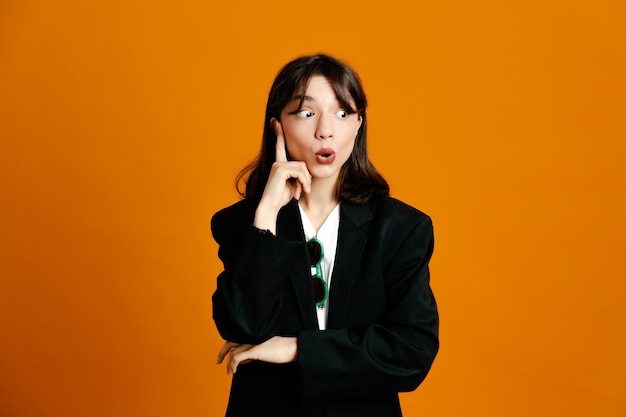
<point>278,349</point>
<point>394,355</point>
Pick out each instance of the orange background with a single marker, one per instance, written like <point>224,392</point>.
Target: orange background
<point>123,124</point>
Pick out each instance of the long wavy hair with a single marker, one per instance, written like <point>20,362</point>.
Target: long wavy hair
<point>359,181</point>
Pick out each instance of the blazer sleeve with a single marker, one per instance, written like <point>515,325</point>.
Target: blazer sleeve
<point>247,303</point>
<point>394,355</point>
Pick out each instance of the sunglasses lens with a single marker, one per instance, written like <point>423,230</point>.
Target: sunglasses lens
<point>318,289</point>
<point>315,252</point>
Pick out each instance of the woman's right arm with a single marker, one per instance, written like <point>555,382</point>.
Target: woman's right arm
<point>248,301</point>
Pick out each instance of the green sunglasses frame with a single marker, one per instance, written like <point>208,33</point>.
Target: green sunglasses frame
<point>318,273</point>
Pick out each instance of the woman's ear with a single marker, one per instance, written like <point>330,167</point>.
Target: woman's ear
<point>273,124</point>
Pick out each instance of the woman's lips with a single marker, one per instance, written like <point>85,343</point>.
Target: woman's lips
<point>325,156</point>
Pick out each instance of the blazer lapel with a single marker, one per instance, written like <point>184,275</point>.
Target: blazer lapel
<point>350,244</point>
<point>289,227</point>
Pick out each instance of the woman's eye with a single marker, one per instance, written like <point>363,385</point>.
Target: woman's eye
<point>305,113</point>
<point>342,114</point>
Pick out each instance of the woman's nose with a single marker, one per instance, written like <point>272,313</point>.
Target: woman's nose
<point>324,127</point>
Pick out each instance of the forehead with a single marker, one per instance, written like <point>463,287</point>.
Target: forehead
<point>317,87</point>
<point>319,83</point>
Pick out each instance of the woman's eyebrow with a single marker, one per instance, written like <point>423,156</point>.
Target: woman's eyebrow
<point>306,98</point>
<point>302,98</point>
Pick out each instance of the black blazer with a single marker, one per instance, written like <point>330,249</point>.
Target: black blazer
<point>382,331</point>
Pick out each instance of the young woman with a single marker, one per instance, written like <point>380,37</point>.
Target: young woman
<point>324,301</point>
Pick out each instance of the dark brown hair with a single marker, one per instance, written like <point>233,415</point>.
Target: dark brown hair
<point>359,181</point>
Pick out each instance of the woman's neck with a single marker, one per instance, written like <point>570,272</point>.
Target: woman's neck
<point>319,202</point>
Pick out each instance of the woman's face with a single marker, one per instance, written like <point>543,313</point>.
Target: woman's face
<point>320,132</point>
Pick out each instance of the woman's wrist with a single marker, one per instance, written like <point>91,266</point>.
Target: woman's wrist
<point>265,218</point>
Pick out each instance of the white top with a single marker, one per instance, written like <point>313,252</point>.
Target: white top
<point>327,234</point>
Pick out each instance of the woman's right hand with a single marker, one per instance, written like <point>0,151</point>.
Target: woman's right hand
<point>287,180</point>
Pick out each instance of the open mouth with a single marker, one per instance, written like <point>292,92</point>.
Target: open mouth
<point>325,156</point>
<point>325,152</point>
